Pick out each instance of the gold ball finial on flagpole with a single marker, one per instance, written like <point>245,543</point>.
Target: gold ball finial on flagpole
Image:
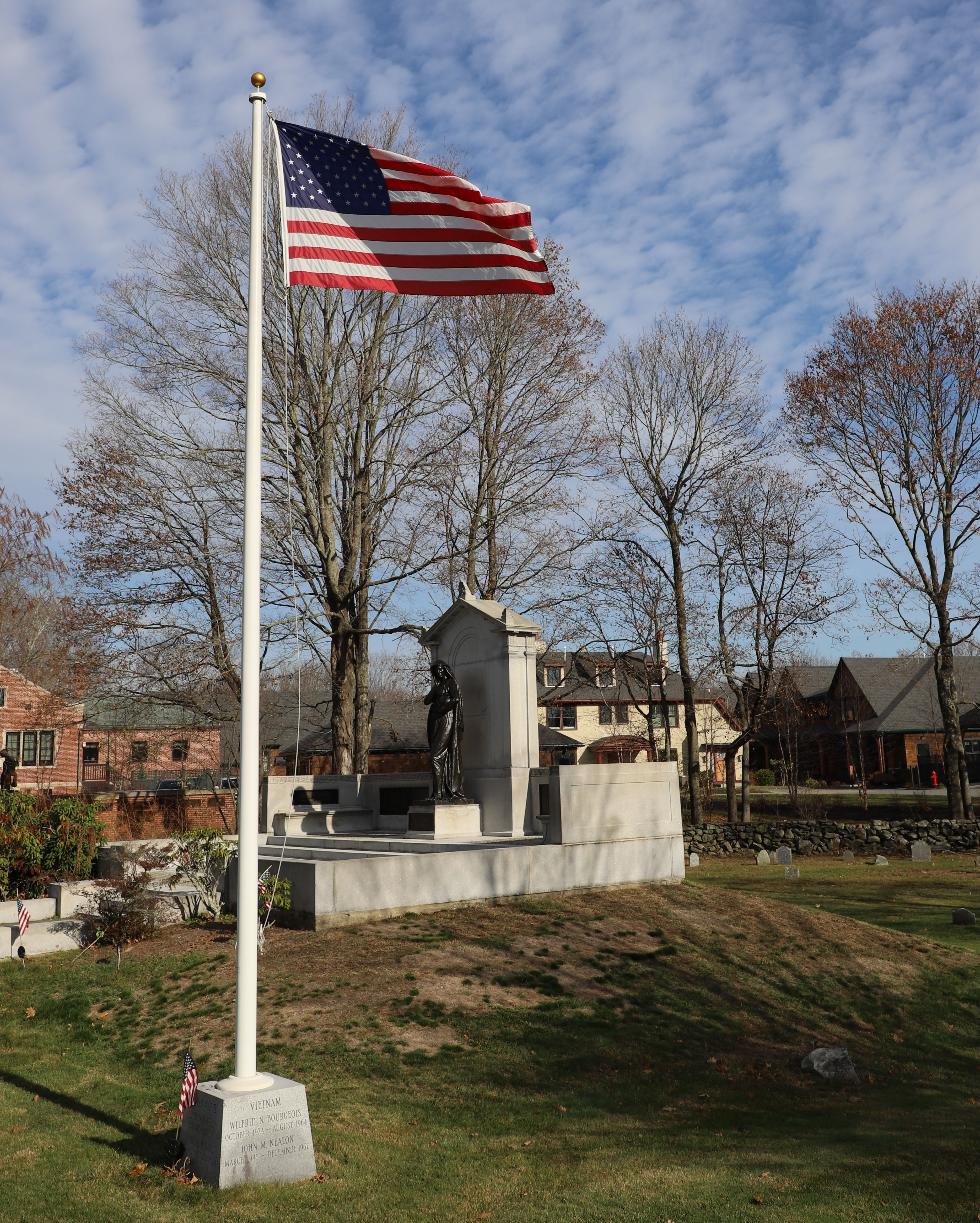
<point>258,79</point>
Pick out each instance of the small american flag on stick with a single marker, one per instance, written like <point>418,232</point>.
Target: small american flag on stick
<point>23,917</point>
<point>355,217</point>
<point>188,1089</point>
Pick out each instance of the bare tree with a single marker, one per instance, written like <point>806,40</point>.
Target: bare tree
<point>627,607</point>
<point>682,406</point>
<point>775,571</point>
<point>518,373</point>
<point>351,393</point>
<point>889,412</point>
<point>41,634</point>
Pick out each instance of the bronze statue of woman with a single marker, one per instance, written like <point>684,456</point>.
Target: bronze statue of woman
<point>445,730</point>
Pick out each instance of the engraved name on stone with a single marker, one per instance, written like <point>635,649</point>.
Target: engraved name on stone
<point>282,1132</point>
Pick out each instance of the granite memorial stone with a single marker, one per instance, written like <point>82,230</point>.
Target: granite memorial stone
<point>921,852</point>
<point>249,1137</point>
<point>784,856</point>
<point>791,872</point>
<point>762,858</point>
<point>694,860</point>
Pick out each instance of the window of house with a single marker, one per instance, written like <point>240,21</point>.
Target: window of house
<point>90,753</point>
<point>658,716</point>
<point>12,743</point>
<point>562,716</point>
<point>140,751</point>
<point>972,746</point>
<point>605,715</point>
<point>605,677</point>
<point>180,750</point>
<point>664,755</point>
<point>622,713</point>
<point>553,676</point>
<point>29,747</point>
<point>3,697</point>
<point>45,748</point>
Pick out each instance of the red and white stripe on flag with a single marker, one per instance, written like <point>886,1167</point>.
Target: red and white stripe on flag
<point>188,1088</point>
<point>23,917</point>
<point>413,228</point>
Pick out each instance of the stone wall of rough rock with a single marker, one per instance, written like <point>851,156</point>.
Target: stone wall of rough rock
<point>830,837</point>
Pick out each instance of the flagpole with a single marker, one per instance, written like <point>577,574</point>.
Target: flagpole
<point>246,1077</point>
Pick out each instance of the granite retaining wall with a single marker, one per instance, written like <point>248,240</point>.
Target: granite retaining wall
<point>830,837</point>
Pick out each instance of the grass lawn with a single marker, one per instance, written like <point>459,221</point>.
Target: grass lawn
<point>611,1055</point>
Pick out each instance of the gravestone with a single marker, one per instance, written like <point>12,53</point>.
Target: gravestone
<point>694,860</point>
<point>921,852</point>
<point>762,858</point>
<point>880,860</point>
<point>791,872</point>
<point>784,856</point>
<point>847,855</point>
<point>964,917</point>
<point>234,1138</point>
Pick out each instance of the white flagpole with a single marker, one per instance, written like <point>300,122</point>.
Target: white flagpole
<point>246,1077</point>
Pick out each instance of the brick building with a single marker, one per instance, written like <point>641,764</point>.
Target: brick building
<point>101,744</point>
<point>41,730</point>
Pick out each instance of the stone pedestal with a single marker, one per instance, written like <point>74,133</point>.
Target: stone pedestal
<point>444,821</point>
<point>237,1138</point>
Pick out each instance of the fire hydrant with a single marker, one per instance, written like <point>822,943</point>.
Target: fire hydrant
<point>934,778</point>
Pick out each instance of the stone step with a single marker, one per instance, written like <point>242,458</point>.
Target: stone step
<point>322,820</point>
<point>310,846</point>
<point>59,934</point>
<point>40,909</point>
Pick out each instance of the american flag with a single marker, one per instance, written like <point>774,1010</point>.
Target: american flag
<point>23,917</point>
<point>356,217</point>
<point>188,1089</point>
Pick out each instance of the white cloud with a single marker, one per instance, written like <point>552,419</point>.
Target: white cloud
<point>767,161</point>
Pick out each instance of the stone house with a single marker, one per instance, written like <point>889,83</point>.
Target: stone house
<point>599,706</point>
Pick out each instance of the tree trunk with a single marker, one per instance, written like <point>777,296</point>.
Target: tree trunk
<point>362,696</point>
<point>746,796</point>
<point>693,762</point>
<point>730,799</point>
<point>952,740</point>
<point>343,681</point>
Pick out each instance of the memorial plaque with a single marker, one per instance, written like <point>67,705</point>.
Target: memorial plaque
<point>762,858</point>
<point>791,872</point>
<point>253,1137</point>
<point>921,852</point>
<point>784,855</point>
<point>694,860</point>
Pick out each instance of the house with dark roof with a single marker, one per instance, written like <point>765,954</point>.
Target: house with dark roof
<point>876,719</point>
<point>607,707</point>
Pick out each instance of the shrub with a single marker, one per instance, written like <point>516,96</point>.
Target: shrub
<point>765,777</point>
<point>813,783</point>
<point>124,910</point>
<point>200,859</point>
<point>42,839</point>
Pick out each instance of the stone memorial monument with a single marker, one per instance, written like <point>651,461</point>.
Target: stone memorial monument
<point>236,1138</point>
<point>446,812</point>
<point>921,852</point>
<point>784,856</point>
<point>762,858</point>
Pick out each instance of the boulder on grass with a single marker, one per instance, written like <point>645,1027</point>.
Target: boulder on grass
<point>964,917</point>
<point>832,1063</point>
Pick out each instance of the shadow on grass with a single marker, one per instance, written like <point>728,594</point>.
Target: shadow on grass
<point>136,1142</point>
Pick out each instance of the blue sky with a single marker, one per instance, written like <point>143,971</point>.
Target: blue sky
<point>769,162</point>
